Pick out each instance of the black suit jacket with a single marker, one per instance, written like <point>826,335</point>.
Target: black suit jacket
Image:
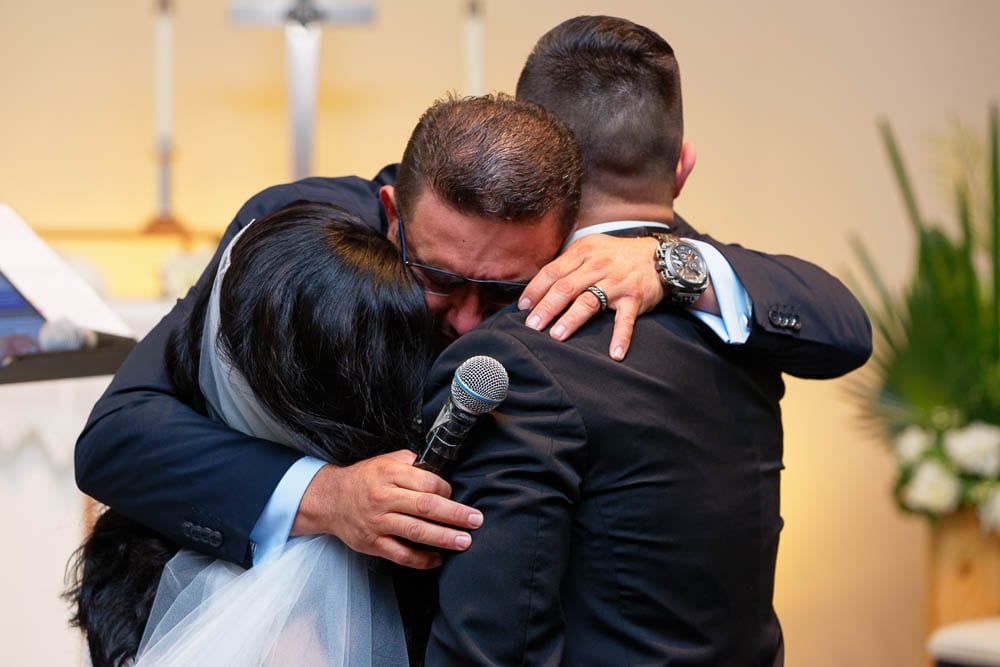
<point>631,509</point>
<point>199,483</point>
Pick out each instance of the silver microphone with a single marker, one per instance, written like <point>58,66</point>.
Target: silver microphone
<point>480,384</point>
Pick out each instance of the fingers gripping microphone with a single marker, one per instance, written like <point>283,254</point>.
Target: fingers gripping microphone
<point>480,384</point>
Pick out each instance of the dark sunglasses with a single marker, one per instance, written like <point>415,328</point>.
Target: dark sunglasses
<point>445,283</point>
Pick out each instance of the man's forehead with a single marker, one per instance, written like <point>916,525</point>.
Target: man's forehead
<point>480,247</point>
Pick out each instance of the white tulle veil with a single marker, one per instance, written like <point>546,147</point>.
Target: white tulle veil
<point>316,602</point>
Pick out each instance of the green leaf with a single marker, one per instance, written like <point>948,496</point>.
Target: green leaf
<point>902,178</point>
<point>937,343</point>
<point>994,168</point>
<point>885,314</point>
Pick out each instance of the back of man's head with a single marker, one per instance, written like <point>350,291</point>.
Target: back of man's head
<point>617,85</point>
<point>493,157</point>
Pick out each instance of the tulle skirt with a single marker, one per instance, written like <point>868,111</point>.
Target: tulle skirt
<point>317,602</point>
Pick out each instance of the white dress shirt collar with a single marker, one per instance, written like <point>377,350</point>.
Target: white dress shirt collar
<point>612,226</point>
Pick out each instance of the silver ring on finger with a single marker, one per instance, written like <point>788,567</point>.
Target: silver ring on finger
<point>602,297</point>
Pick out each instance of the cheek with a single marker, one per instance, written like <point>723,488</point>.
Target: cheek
<point>438,305</point>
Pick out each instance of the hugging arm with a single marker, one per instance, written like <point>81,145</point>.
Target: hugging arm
<point>803,322</point>
<point>155,459</point>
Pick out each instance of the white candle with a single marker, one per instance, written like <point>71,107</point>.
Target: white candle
<point>302,62</point>
<point>473,49</point>
<point>164,75</point>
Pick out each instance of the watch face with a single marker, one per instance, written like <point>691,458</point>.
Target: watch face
<point>688,265</point>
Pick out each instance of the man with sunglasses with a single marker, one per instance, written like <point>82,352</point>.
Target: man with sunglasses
<point>490,189</point>
<point>440,283</point>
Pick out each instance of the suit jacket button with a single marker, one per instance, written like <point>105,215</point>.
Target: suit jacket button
<point>215,539</point>
<point>186,528</point>
<point>774,317</point>
<point>796,323</point>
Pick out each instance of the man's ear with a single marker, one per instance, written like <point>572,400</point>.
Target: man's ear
<point>684,166</point>
<point>387,194</point>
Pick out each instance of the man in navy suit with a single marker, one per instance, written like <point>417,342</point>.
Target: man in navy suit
<point>489,189</point>
<point>633,506</point>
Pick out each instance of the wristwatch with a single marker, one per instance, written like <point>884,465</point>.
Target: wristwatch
<point>682,269</point>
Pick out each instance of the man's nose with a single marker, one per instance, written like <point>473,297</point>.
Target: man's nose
<point>466,309</point>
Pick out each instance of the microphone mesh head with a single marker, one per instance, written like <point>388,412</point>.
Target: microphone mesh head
<point>480,384</point>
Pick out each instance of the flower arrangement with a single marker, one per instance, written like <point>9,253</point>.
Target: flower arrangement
<point>932,388</point>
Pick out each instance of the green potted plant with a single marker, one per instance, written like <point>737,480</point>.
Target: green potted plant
<point>932,389</point>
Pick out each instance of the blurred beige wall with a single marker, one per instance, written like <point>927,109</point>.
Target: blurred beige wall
<point>782,97</point>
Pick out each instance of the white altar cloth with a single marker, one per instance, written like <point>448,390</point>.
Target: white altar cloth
<point>41,510</point>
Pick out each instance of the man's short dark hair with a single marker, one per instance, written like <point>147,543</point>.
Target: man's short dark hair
<point>493,157</point>
<point>617,85</point>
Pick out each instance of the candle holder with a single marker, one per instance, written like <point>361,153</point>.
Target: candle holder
<point>302,20</point>
<point>164,222</point>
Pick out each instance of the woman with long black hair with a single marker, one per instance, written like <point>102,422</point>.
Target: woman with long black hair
<point>313,335</point>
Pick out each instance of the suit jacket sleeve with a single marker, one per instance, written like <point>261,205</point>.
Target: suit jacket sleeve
<point>165,465</point>
<point>499,601</point>
<point>805,321</point>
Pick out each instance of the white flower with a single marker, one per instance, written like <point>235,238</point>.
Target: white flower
<point>911,445</point>
<point>933,488</point>
<point>989,511</point>
<point>975,449</point>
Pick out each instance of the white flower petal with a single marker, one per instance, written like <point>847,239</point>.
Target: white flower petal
<point>975,449</point>
<point>933,488</point>
<point>911,444</point>
<point>989,511</point>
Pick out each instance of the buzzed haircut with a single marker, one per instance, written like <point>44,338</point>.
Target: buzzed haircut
<point>617,85</point>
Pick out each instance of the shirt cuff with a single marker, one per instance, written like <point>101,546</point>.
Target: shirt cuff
<point>270,533</point>
<point>733,325</point>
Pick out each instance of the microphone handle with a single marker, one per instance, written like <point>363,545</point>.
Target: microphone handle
<point>446,436</point>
